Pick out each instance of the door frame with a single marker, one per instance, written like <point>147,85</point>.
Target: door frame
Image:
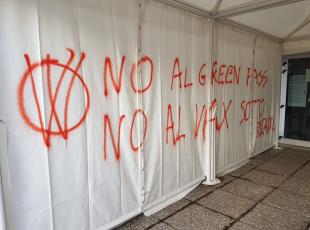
<point>283,94</point>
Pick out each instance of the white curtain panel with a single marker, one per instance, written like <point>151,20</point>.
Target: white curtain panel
<point>233,61</point>
<point>265,83</point>
<point>174,155</point>
<point>24,162</point>
<point>67,165</point>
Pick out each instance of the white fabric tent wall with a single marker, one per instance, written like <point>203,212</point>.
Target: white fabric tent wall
<point>75,181</point>
<point>24,166</point>
<point>109,29</point>
<point>167,34</point>
<point>65,186</point>
<point>265,122</point>
<point>232,143</point>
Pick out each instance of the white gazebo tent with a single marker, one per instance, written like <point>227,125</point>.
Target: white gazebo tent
<point>112,108</point>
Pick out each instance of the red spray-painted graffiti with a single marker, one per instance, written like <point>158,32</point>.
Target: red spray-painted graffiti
<point>259,76</point>
<point>247,105</point>
<point>117,82</point>
<point>223,74</point>
<point>205,110</point>
<point>177,73</point>
<point>220,74</point>
<point>116,146</point>
<point>170,125</point>
<point>62,129</point>
<point>264,126</point>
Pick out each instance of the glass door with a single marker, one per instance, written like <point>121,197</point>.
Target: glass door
<point>297,112</point>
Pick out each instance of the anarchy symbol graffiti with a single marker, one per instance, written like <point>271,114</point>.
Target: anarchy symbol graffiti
<point>59,102</point>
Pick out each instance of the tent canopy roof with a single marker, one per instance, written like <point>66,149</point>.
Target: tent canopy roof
<point>283,19</point>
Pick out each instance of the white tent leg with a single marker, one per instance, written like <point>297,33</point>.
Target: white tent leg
<point>277,147</point>
<point>211,174</point>
<point>210,159</point>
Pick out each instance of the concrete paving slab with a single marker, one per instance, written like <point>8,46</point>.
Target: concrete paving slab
<point>299,182</point>
<point>243,170</point>
<point>247,189</point>
<point>224,180</point>
<point>227,203</point>
<point>199,192</point>
<point>198,218</point>
<point>289,201</point>
<point>171,209</point>
<point>265,178</point>
<point>271,218</point>
<point>294,154</point>
<point>162,226</point>
<point>138,223</point>
<point>242,226</point>
<point>265,156</point>
<point>280,166</point>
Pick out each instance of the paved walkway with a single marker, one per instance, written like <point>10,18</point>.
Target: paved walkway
<point>271,192</point>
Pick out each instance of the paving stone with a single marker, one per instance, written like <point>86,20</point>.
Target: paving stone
<point>299,182</point>
<point>270,218</point>
<point>263,177</point>
<point>265,156</point>
<point>306,167</point>
<point>200,218</point>
<point>224,180</point>
<point>295,155</point>
<point>171,209</point>
<point>255,162</point>
<point>199,192</point>
<point>242,226</point>
<point>301,186</point>
<point>303,172</point>
<point>139,223</point>
<point>227,203</point>
<point>281,166</point>
<point>162,226</point>
<point>273,150</point>
<point>247,189</point>
<point>242,170</point>
<point>289,201</point>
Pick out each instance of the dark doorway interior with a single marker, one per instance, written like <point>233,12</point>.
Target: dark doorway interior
<point>297,113</point>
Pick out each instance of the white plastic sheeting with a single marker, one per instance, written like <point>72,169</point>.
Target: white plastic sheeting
<point>246,85</point>
<point>265,115</point>
<point>180,46</point>
<point>68,183</point>
<point>236,55</point>
<point>107,108</point>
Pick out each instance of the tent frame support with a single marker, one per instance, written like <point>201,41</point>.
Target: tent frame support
<point>297,38</point>
<point>216,7</point>
<point>305,22</point>
<point>248,29</point>
<point>210,157</point>
<point>182,5</point>
<point>252,6</point>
